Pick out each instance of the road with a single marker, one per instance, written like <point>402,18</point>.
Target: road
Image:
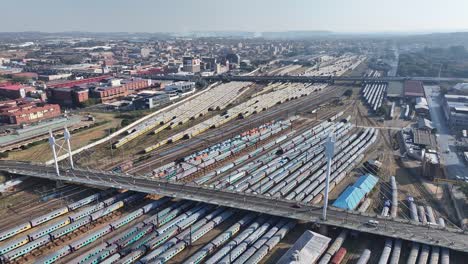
<point>454,166</point>
<point>404,229</point>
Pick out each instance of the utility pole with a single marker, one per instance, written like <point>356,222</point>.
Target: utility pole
<point>330,152</point>
<point>54,152</point>
<point>67,136</point>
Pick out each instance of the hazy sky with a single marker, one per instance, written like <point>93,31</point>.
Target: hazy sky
<point>245,15</point>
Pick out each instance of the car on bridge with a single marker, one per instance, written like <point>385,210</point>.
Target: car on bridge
<point>372,223</point>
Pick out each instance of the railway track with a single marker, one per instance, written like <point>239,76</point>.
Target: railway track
<point>174,151</point>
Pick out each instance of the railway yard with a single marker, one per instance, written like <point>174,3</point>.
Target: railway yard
<point>266,139</point>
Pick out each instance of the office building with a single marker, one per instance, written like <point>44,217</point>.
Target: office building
<point>190,64</point>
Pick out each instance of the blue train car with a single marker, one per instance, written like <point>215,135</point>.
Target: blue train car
<point>14,244</point>
<point>90,238</point>
<point>15,230</point>
<point>55,256</point>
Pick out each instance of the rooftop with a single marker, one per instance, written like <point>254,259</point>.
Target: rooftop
<point>414,88</point>
<point>425,138</point>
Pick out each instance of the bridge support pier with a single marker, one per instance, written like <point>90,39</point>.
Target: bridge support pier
<point>330,152</point>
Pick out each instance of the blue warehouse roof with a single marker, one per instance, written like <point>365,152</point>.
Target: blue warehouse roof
<point>350,198</point>
<point>366,182</point>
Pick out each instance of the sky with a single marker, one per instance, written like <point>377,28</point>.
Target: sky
<point>352,16</point>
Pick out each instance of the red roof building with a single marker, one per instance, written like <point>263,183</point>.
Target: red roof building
<point>27,75</point>
<point>21,111</point>
<point>69,84</point>
<point>414,89</point>
<point>15,91</point>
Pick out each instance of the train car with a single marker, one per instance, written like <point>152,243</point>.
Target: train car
<point>90,238</point>
<point>133,256</point>
<point>107,210</point>
<point>14,244</point>
<point>126,219</point>
<point>112,259</point>
<point>52,258</point>
<point>15,230</point>
<point>339,256</point>
<point>86,212</point>
<point>85,201</point>
<point>44,218</point>
<point>23,250</point>
<point>105,256</point>
<point>70,227</point>
<point>133,198</point>
<point>48,229</point>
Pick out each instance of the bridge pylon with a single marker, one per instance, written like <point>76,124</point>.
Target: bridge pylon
<point>54,152</point>
<point>330,152</point>
<point>67,136</point>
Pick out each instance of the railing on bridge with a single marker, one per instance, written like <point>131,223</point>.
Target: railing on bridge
<point>397,228</point>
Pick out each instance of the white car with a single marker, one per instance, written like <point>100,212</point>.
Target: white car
<point>372,223</point>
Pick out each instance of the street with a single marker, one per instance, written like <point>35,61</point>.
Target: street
<point>454,166</point>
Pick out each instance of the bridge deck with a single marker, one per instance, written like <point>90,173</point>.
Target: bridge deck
<point>304,79</point>
<point>396,228</point>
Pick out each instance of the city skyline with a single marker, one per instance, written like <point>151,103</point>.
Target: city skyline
<point>361,16</point>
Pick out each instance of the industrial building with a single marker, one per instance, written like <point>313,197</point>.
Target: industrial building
<point>350,198</point>
<point>421,107</point>
<point>413,89</point>
<point>394,90</point>
<point>456,110</point>
<point>69,84</point>
<point>71,97</point>
<point>21,111</point>
<point>149,101</point>
<point>109,93</point>
<point>180,87</point>
<point>104,90</point>
<point>461,88</point>
<point>15,91</point>
<point>307,249</point>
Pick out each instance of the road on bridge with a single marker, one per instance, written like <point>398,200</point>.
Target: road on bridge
<point>303,79</point>
<point>396,228</point>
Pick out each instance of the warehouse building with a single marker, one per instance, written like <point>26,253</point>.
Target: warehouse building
<point>150,101</point>
<point>71,97</point>
<point>307,249</point>
<point>15,91</point>
<point>413,89</point>
<point>394,90</point>
<point>350,198</point>
<point>22,111</point>
<point>456,111</point>
<point>109,93</point>
<point>180,87</point>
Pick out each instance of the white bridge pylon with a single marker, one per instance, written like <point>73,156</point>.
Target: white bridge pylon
<point>53,145</point>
